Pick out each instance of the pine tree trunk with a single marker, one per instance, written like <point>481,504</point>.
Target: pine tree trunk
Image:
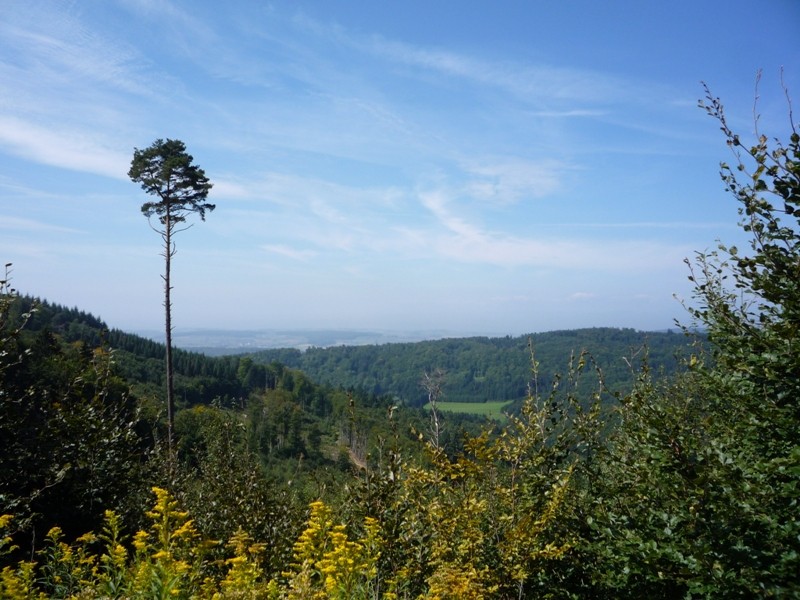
<point>168,334</point>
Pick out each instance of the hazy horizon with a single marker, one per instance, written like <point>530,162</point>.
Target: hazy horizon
<point>236,341</point>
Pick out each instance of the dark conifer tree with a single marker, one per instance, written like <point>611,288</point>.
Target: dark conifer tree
<point>165,170</point>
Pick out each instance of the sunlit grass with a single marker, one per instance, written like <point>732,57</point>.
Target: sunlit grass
<point>491,410</point>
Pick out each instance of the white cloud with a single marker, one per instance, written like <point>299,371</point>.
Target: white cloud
<point>465,242</point>
<point>181,22</point>
<point>564,114</point>
<point>289,252</point>
<point>436,202</point>
<point>538,84</point>
<point>66,90</point>
<point>230,189</point>
<point>52,45</point>
<point>555,91</point>
<point>29,225</point>
<point>69,149</point>
<point>510,180</point>
<point>582,296</point>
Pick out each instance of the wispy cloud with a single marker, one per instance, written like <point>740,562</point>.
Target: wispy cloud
<point>567,114</point>
<point>68,90</point>
<point>21,225</point>
<point>182,22</point>
<point>640,225</point>
<point>328,200</point>
<point>77,150</point>
<point>542,85</point>
<point>322,219</point>
<point>289,252</point>
<point>577,296</point>
<point>466,242</point>
<point>549,91</point>
<point>510,180</point>
<point>55,46</point>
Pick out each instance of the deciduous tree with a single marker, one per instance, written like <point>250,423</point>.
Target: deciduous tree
<point>697,495</point>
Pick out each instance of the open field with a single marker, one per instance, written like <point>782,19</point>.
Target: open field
<point>492,410</point>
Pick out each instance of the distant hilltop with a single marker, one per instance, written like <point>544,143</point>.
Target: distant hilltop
<point>224,341</point>
<point>218,342</point>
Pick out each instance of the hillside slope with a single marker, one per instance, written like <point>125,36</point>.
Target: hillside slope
<point>481,369</point>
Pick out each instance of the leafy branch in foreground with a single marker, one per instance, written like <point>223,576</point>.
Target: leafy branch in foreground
<point>697,494</point>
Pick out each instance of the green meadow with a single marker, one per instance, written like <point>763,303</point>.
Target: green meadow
<point>492,410</point>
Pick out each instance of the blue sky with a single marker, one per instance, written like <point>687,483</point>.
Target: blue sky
<point>459,166</point>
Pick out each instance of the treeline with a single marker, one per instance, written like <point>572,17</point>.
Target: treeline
<point>140,361</point>
<point>476,369</point>
<point>76,325</point>
<point>481,369</point>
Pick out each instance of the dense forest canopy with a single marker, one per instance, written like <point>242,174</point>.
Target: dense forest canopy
<point>481,369</point>
<point>476,369</point>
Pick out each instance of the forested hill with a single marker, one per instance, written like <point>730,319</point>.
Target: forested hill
<point>199,379</point>
<point>479,369</point>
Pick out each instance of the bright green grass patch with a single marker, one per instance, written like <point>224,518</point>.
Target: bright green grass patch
<point>492,410</point>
